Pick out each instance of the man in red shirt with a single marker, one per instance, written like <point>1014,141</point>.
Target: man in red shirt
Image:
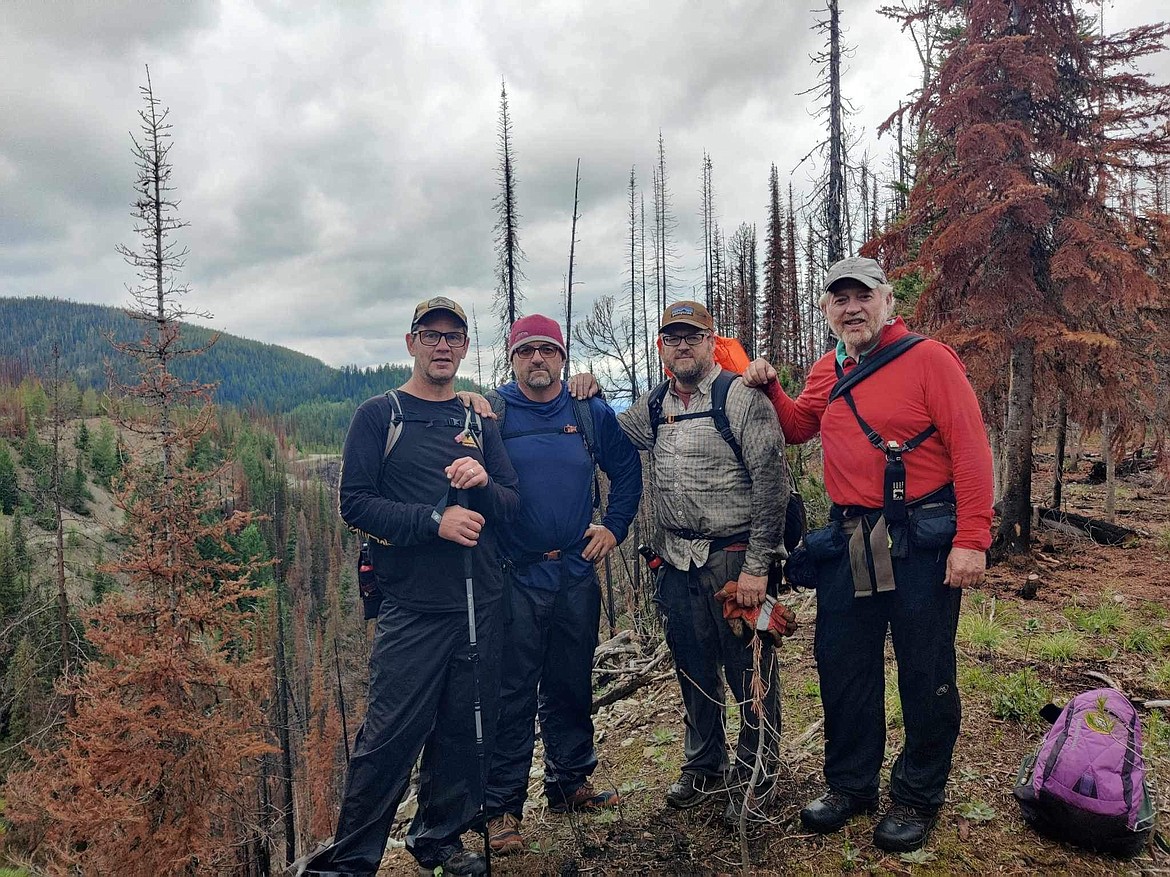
<point>908,469</point>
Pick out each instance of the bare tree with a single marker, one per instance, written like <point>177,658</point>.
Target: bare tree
<point>509,255</point>
<point>569,282</point>
<point>607,336</point>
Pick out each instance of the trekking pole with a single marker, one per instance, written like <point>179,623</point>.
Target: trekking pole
<point>473,656</point>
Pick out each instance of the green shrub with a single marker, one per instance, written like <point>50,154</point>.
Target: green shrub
<point>1142,640</point>
<point>1107,617</point>
<point>1059,647</point>
<point>982,632</point>
<point>1018,697</point>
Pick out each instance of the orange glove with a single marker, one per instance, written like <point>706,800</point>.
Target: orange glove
<point>770,622</point>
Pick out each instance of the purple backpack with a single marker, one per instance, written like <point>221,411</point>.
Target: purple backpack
<point>1087,782</point>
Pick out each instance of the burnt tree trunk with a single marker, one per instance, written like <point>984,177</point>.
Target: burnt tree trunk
<point>1015,528</point>
<point>1061,441</point>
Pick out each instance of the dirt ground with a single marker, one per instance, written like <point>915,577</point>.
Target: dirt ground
<point>1097,609</point>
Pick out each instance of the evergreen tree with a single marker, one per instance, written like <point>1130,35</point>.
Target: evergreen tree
<point>9,489</point>
<point>1029,257</point>
<point>155,763</point>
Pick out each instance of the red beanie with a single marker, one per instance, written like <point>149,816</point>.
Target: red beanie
<point>533,329</point>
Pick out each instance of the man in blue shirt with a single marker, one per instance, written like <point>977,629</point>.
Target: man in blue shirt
<point>554,607</point>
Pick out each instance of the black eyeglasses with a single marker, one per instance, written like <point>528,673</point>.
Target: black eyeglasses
<point>693,340</point>
<point>430,338</point>
<point>547,351</point>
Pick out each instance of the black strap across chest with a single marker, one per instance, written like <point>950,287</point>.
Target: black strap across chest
<point>717,412</point>
<point>846,382</point>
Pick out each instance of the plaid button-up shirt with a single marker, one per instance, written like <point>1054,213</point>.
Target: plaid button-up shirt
<point>701,486</point>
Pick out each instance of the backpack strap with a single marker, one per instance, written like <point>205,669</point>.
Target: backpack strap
<point>472,424</point>
<point>894,477</point>
<point>585,425</point>
<point>717,412</point>
<point>499,407</point>
<point>865,368</point>
<point>394,430</point>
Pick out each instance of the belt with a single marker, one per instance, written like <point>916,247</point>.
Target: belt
<point>735,542</point>
<point>946,493</point>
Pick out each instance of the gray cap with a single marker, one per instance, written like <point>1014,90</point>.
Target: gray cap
<point>865,271</point>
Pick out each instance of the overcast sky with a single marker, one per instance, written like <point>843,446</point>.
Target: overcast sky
<point>337,161</point>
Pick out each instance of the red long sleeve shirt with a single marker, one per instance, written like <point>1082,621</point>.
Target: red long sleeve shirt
<point>926,384</point>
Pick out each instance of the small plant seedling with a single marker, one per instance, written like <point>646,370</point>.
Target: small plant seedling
<point>976,811</point>
<point>662,736</point>
<point>918,857</point>
<point>631,786</point>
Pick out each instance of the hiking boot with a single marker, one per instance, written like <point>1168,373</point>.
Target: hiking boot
<point>586,798</point>
<point>757,801</point>
<point>504,835</point>
<point>692,788</point>
<point>464,863</point>
<point>832,810</point>
<point>904,828</point>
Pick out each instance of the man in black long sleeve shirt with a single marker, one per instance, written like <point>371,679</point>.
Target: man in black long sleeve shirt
<point>421,673</point>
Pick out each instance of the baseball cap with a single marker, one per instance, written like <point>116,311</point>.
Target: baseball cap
<point>689,312</point>
<point>438,303</point>
<point>533,329</point>
<point>865,271</point>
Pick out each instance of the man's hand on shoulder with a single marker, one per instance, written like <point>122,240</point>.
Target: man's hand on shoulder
<point>600,543</point>
<point>477,403</point>
<point>965,567</point>
<point>461,526</point>
<point>759,373</point>
<point>583,386</point>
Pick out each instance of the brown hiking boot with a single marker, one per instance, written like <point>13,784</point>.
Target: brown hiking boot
<point>586,798</point>
<point>504,835</point>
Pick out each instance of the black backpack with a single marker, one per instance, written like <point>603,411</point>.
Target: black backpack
<point>795,517</point>
<point>367,581</point>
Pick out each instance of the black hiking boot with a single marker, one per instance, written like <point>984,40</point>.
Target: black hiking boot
<point>460,864</point>
<point>832,810</point>
<point>692,788</point>
<point>904,828</point>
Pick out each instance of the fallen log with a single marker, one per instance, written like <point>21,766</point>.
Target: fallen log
<point>1131,465</point>
<point>625,689</point>
<point>1101,532</point>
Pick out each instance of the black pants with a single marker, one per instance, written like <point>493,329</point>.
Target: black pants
<point>549,644</point>
<point>421,699</point>
<point>921,614</point>
<point>705,653</point>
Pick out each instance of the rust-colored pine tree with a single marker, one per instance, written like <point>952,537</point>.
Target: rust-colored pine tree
<point>1033,123</point>
<point>153,770</point>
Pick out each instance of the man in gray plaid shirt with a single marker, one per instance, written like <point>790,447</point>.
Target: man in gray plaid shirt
<point>722,521</point>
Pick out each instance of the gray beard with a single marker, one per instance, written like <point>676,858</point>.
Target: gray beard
<point>538,380</point>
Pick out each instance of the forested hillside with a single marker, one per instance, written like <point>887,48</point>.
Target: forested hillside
<point>247,373</point>
<point>299,396</point>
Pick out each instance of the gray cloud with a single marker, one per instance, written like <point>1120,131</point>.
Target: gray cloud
<point>337,162</point>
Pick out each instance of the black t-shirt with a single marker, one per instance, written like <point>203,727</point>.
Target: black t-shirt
<point>397,503</point>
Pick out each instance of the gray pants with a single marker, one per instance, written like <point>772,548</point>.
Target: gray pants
<point>706,653</point>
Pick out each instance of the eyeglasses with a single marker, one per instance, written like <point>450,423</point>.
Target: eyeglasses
<point>693,340</point>
<point>430,338</point>
<point>546,351</point>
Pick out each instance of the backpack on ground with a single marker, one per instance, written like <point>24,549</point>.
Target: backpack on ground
<point>1087,782</point>
<point>367,582</point>
<point>795,517</point>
